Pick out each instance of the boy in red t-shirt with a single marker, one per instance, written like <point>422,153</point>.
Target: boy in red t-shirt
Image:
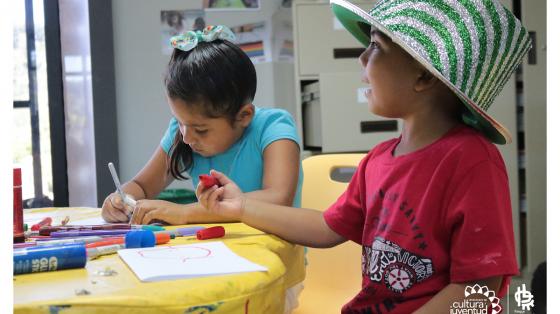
<point>431,208</point>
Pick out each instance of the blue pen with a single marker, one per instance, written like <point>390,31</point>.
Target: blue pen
<point>49,258</point>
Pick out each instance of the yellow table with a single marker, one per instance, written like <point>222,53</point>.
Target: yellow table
<point>90,290</point>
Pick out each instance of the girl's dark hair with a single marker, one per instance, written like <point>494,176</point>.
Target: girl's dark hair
<point>216,79</point>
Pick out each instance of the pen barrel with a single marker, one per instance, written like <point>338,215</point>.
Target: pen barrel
<point>49,258</point>
<point>103,250</point>
<point>80,233</point>
<point>105,243</point>
<point>64,241</point>
<point>189,231</point>
<point>47,230</point>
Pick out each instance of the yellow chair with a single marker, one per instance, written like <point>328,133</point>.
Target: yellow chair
<point>333,276</point>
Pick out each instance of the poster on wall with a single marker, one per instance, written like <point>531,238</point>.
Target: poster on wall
<point>283,42</point>
<point>254,40</point>
<point>179,21</point>
<point>226,5</point>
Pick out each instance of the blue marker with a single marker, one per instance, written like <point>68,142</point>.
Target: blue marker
<point>49,258</point>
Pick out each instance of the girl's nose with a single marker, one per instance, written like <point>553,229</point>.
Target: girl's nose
<point>187,136</point>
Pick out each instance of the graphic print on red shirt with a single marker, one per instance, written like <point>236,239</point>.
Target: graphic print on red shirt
<point>396,267</point>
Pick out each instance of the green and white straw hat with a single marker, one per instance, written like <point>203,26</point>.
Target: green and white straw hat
<point>473,46</point>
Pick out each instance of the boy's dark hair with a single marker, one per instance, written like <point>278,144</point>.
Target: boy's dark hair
<point>216,79</point>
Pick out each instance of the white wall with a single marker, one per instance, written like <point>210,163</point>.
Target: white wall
<point>142,111</point>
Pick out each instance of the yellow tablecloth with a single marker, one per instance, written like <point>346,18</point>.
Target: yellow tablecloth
<point>88,290</point>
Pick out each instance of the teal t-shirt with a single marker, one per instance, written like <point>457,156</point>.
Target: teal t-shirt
<point>243,161</point>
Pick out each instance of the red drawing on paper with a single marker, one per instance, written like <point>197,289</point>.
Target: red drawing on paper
<point>176,253</point>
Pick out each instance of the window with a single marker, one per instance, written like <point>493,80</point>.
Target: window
<point>32,148</point>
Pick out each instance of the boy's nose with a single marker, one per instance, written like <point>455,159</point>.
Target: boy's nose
<point>363,58</point>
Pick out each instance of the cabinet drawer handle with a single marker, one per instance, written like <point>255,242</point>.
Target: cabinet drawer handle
<point>378,126</point>
<point>347,53</point>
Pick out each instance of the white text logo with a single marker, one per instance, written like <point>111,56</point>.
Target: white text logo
<point>524,298</point>
<point>477,301</point>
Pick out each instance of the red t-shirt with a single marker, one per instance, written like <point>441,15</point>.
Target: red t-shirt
<point>438,215</point>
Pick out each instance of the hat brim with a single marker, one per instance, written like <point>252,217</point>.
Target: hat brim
<point>358,22</point>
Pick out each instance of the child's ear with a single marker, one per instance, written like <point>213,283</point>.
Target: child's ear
<point>245,114</point>
<point>425,81</point>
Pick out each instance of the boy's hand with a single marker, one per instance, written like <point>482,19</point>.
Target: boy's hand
<point>114,209</point>
<point>149,210</point>
<point>226,200</point>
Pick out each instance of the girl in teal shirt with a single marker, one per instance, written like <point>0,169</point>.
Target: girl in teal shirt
<point>210,85</point>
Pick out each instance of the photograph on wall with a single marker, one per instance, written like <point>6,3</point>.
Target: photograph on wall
<point>177,22</point>
<point>283,44</point>
<point>231,4</point>
<point>254,40</point>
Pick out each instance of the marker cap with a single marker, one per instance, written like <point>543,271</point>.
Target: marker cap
<point>140,238</point>
<point>211,233</point>
<point>162,238</point>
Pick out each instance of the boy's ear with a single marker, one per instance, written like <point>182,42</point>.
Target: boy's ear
<point>425,81</point>
<point>245,114</point>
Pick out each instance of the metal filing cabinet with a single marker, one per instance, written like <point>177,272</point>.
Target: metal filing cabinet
<point>336,117</point>
<point>323,43</point>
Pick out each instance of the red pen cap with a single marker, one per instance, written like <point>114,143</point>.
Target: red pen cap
<point>208,180</point>
<point>211,233</point>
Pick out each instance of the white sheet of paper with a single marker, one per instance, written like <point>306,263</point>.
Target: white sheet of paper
<point>186,261</point>
<point>89,221</point>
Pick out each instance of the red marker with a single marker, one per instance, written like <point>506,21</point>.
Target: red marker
<point>45,222</point>
<point>210,233</point>
<point>208,181</point>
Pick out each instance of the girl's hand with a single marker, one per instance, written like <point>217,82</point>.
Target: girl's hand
<point>149,210</point>
<point>114,209</point>
<point>226,201</point>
